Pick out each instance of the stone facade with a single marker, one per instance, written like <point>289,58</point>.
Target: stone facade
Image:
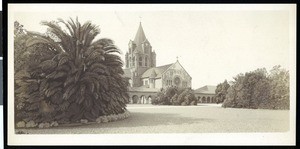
<point>145,78</point>
<point>175,75</point>
<point>139,57</point>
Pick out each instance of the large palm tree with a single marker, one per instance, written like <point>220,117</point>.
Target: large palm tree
<point>77,77</point>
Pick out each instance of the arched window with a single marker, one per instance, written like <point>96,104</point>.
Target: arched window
<point>203,99</point>
<point>135,99</point>
<point>130,82</point>
<point>199,99</point>
<point>133,61</point>
<point>146,61</point>
<point>149,99</point>
<point>142,99</point>
<point>140,61</point>
<point>145,45</point>
<point>130,62</point>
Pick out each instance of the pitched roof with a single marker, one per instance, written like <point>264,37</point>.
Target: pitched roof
<point>143,89</point>
<point>158,70</point>
<point>140,37</point>
<point>127,73</point>
<point>183,69</point>
<point>207,89</point>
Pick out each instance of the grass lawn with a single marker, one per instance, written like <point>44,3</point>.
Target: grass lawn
<point>204,118</point>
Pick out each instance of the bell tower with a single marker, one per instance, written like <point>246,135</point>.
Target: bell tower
<point>139,56</point>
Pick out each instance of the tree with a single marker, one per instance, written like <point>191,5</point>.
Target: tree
<point>232,96</point>
<point>221,91</point>
<point>23,60</point>
<point>175,96</point>
<point>280,91</point>
<point>258,89</point>
<point>250,90</point>
<point>18,29</point>
<point>21,53</point>
<point>72,75</point>
<point>230,100</point>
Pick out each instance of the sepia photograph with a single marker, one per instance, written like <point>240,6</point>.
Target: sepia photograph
<point>144,74</point>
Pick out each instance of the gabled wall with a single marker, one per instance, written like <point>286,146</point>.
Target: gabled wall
<point>175,75</point>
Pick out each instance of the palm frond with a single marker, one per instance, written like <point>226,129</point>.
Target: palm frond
<point>41,39</point>
<point>70,74</point>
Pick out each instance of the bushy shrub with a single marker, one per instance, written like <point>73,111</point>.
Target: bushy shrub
<point>67,75</point>
<point>221,91</point>
<point>258,89</point>
<point>175,96</point>
<point>193,103</point>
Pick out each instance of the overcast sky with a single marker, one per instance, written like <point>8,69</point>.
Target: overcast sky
<point>212,43</point>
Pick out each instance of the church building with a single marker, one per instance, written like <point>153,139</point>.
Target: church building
<point>145,78</point>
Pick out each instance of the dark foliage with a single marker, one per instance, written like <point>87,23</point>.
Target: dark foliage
<point>258,89</point>
<point>175,96</point>
<point>67,75</point>
<point>221,91</point>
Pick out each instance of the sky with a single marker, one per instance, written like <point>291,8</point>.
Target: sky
<point>213,43</point>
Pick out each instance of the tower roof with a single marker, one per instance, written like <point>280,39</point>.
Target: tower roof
<point>140,36</point>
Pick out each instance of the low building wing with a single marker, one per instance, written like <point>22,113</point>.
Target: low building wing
<point>208,89</point>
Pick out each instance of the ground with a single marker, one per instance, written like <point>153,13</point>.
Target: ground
<point>204,118</point>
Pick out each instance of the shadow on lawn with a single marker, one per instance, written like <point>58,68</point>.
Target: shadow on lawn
<point>150,119</point>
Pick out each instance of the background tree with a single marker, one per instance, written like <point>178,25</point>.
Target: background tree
<point>70,75</point>
<point>221,91</point>
<point>258,89</point>
<point>25,58</point>
<point>280,88</point>
<point>21,53</point>
<point>232,97</point>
